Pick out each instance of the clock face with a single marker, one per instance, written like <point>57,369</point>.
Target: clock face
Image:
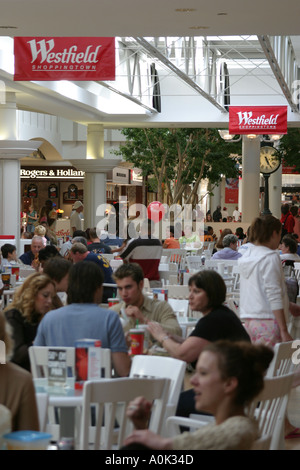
<point>269,161</point>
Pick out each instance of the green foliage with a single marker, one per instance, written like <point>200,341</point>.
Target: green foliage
<point>289,148</point>
<point>179,157</point>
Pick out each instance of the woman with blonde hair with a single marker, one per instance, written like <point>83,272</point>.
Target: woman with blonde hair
<point>17,390</point>
<point>31,301</point>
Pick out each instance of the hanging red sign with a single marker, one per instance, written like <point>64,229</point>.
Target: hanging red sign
<point>258,119</point>
<point>232,191</point>
<point>59,58</point>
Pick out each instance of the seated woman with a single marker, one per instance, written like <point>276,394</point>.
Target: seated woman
<point>190,237</point>
<point>289,248</point>
<point>31,301</point>
<point>17,390</point>
<point>228,377</point>
<point>170,242</point>
<point>207,294</point>
<point>219,244</point>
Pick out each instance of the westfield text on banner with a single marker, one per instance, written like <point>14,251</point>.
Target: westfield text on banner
<point>258,119</point>
<point>58,58</point>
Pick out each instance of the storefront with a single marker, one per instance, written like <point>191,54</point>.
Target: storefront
<point>62,185</point>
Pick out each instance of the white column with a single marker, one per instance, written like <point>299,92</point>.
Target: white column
<point>215,199</point>
<point>95,141</point>
<point>275,189</point>
<point>8,118</point>
<point>94,187</point>
<point>94,190</point>
<point>250,183</point>
<point>11,151</point>
<point>10,197</point>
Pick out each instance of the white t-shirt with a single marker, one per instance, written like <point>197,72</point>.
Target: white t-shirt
<point>75,221</point>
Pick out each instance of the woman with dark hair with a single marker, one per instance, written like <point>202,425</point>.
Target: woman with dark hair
<point>228,377</point>
<point>264,302</point>
<point>31,301</point>
<point>207,293</point>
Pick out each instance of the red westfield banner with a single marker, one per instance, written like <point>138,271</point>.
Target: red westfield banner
<point>258,119</point>
<point>58,58</point>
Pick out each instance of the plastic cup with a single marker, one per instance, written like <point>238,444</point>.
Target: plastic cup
<point>137,341</point>
<point>6,280</point>
<point>15,270</point>
<point>27,440</point>
<point>113,301</point>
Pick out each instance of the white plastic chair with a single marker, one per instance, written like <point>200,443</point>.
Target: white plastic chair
<point>194,263</point>
<point>112,396</point>
<point>163,367</point>
<point>42,401</point>
<point>281,364</point>
<point>38,356</point>
<point>177,256</point>
<point>270,406</point>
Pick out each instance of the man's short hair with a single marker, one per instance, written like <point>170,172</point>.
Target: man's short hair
<point>78,248</point>
<point>81,240</point>
<point>79,233</point>
<point>132,270</point>
<point>228,239</point>
<point>84,279</point>
<point>93,233</point>
<point>48,252</point>
<point>57,268</point>
<point>37,238</point>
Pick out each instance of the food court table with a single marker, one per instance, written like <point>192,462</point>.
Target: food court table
<point>67,399</point>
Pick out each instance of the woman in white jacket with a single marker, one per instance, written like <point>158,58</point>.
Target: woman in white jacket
<point>264,302</point>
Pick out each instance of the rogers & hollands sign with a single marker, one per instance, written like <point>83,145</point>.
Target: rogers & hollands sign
<point>77,59</point>
<point>258,119</point>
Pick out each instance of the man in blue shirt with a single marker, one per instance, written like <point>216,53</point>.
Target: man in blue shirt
<point>37,244</point>
<point>83,318</point>
<point>79,252</point>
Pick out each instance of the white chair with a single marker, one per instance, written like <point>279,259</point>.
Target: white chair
<point>42,401</point>
<point>164,367</point>
<point>111,397</point>
<point>194,263</point>
<point>270,406</point>
<point>177,256</point>
<point>282,363</point>
<point>38,356</point>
